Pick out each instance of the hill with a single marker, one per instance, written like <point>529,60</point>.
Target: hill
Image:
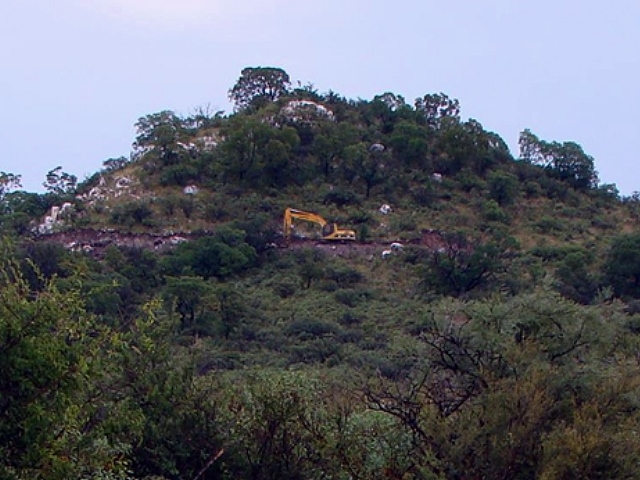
<point>155,323</point>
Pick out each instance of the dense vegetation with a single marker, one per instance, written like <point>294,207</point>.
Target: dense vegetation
<point>506,349</point>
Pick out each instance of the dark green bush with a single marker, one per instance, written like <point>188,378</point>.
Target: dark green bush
<point>341,197</point>
<point>133,213</point>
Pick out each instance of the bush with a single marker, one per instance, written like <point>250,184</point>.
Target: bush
<point>130,214</point>
<point>468,181</point>
<point>622,270</point>
<point>350,298</point>
<point>341,198</point>
<point>503,187</point>
<point>423,195</point>
<point>180,175</point>
<point>343,275</point>
<point>221,255</point>
<point>548,225</point>
<point>307,329</point>
<point>285,288</point>
<point>493,213</point>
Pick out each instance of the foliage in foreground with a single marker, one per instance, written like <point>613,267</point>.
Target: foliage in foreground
<point>533,386</point>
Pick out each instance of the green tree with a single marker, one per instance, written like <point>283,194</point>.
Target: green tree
<point>503,187</point>
<point>173,417</point>
<point>220,256</point>
<point>51,353</point>
<point>460,145</point>
<point>329,144</point>
<point>19,209</point>
<point>259,154</point>
<point>366,165</point>
<point>246,138</point>
<point>258,86</point>
<point>279,168</point>
<point>576,281</point>
<point>113,164</point>
<point>8,183</point>
<point>461,266</point>
<point>160,134</point>
<point>565,161</point>
<point>621,268</point>
<point>436,107</point>
<point>311,266</point>
<point>521,388</point>
<point>410,144</point>
<point>59,182</point>
<point>190,297</point>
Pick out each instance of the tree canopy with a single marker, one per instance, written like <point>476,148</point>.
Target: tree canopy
<point>258,86</point>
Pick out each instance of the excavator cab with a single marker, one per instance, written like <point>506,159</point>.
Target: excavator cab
<point>331,232</point>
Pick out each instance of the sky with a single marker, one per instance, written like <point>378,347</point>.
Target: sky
<point>77,74</point>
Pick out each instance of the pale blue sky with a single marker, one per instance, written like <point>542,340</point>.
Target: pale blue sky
<point>77,74</point>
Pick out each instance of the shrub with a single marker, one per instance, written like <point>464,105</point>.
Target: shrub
<point>493,213</point>
<point>341,197</point>
<point>221,255</point>
<point>547,225</point>
<point>130,214</point>
<point>503,187</point>
<point>306,329</point>
<point>344,276</point>
<point>285,288</point>
<point>180,175</point>
<point>423,195</point>
<point>350,298</point>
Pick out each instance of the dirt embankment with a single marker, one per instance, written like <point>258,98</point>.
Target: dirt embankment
<point>96,241</point>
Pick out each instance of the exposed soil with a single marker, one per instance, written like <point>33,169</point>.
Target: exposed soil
<point>96,241</point>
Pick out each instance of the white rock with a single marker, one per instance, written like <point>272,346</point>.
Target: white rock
<point>385,209</point>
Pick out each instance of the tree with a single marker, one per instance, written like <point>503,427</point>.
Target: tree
<point>189,296</point>
<point>222,255</point>
<point>52,356</point>
<point>436,107</point>
<point>368,165</point>
<point>245,140</point>
<point>460,266</point>
<point>529,387</point>
<point>160,133</point>
<point>410,144</point>
<point>572,165</point>
<point>565,161</point>
<point>257,153</point>
<point>258,86</point>
<point>113,164</point>
<point>503,187</point>
<point>311,266</point>
<point>8,182</point>
<point>279,169</point>
<point>622,269</point>
<point>330,142</point>
<point>576,282</point>
<point>59,182</point>
<point>17,209</point>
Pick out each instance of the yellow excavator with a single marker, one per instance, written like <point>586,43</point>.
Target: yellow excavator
<point>330,231</point>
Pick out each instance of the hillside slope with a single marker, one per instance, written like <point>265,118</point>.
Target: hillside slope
<point>154,323</point>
